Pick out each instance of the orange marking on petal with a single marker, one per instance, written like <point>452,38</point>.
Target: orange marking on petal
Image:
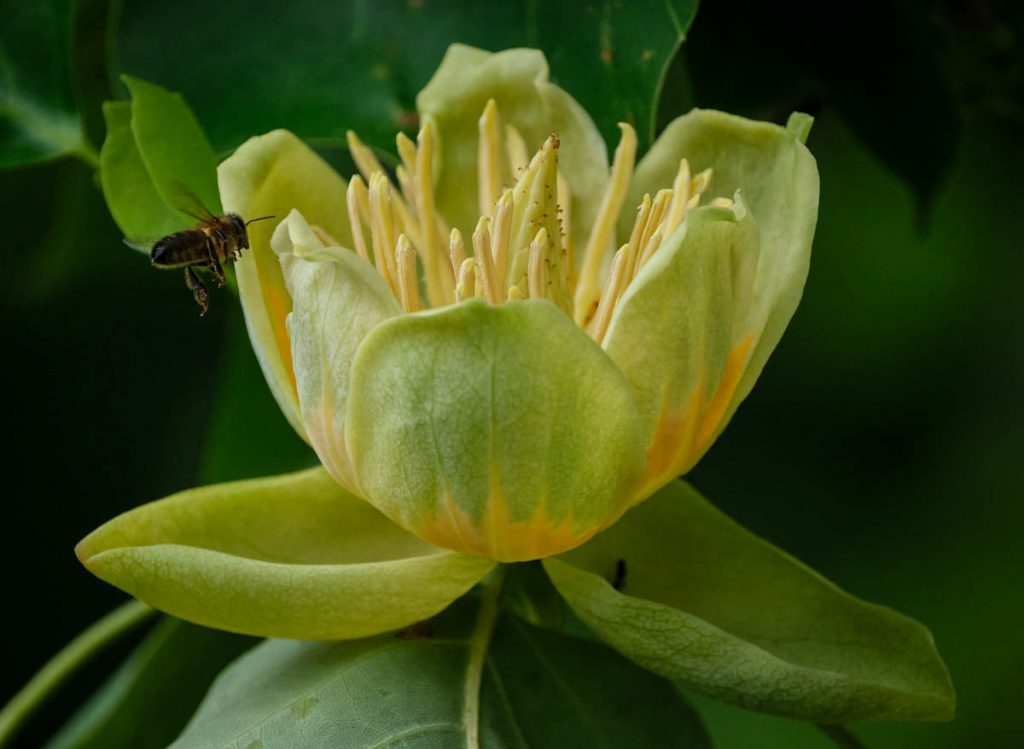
<point>279,304</point>
<point>682,435</point>
<point>496,535</point>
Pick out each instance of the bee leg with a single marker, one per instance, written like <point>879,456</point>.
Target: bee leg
<point>198,290</point>
<point>214,264</point>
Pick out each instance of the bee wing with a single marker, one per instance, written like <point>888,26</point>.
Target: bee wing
<point>193,206</point>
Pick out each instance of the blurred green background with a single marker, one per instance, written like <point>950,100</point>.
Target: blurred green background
<point>882,446</point>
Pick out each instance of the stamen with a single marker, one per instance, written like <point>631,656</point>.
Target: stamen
<point>484,259</point>
<point>466,286</point>
<point>408,283</point>
<point>439,280</point>
<point>721,202</point>
<point>537,273</point>
<point>680,196</point>
<point>407,152</point>
<point>456,251</point>
<point>489,159</point>
<point>500,238</point>
<point>535,207</point>
<point>610,296</point>
<point>358,211</point>
<point>369,166</point>
<point>594,254</point>
<point>515,294</point>
<point>661,201</point>
<point>382,228</point>
<point>636,237</point>
<point>564,206</point>
<point>363,156</point>
<point>518,153</point>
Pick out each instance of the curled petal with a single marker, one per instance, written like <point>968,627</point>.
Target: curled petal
<point>271,175</point>
<point>337,298</point>
<point>679,336</point>
<point>778,180</point>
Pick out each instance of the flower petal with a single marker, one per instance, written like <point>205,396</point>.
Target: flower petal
<point>291,556</point>
<point>503,431</point>
<point>778,179</point>
<point>679,336</point>
<point>703,601</point>
<point>517,79</point>
<point>337,299</point>
<point>273,174</point>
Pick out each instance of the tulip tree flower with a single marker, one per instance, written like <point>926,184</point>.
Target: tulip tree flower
<point>496,351</point>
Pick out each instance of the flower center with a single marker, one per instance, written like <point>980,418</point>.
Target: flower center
<point>522,247</point>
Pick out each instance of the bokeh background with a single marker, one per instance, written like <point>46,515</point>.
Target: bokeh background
<point>883,444</point>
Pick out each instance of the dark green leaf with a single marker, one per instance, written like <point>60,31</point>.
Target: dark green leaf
<point>173,147</point>
<point>147,702</point>
<point>158,171</point>
<point>132,198</point>
<point>38,115</point>
<point>538,689</point>
<point>699,599</point>
<point>362,63</point>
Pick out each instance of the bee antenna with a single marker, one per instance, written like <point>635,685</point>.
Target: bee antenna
<point>261,218</point>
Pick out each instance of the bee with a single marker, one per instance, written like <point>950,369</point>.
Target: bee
<point>214,241</point>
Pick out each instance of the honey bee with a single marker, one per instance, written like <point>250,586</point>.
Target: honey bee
<point>214,241</point>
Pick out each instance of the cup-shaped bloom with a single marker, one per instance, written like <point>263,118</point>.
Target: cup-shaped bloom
<point>490,345</point>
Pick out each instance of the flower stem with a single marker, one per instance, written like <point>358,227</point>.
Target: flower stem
<point>478,643</point>
<point>75,654</point>
<point>841,736</point>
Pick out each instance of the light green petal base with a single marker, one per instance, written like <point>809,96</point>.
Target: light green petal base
<point>707,603</point>
<point>268,175</point>
<point>503,431</point>
<point>293,556</point>
<point>517,79</point>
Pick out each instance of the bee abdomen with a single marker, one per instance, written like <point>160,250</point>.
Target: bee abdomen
<point>177,250</point>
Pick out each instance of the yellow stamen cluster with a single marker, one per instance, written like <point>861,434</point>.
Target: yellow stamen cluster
<point>521,247</point>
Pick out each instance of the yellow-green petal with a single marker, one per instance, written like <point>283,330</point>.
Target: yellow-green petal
<point>679,335</point>
<point>517,80</point>
<point>292,556</point>
<point>778,178</point>
<point>502,431</point>
<point>700,600</point>
<point>273,174</point>
<point>337,299</point>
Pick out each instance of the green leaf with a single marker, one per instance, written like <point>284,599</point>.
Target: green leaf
<point>172,668</point>
<point>173,146</point>
<point>132,198</point>
<point>362,63</point>
<point>39,117</point>
<point>499,430</point>
<point>158,171</point>
<point>291,556</point>
<point>524,687</point>
<point>709,604</point>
